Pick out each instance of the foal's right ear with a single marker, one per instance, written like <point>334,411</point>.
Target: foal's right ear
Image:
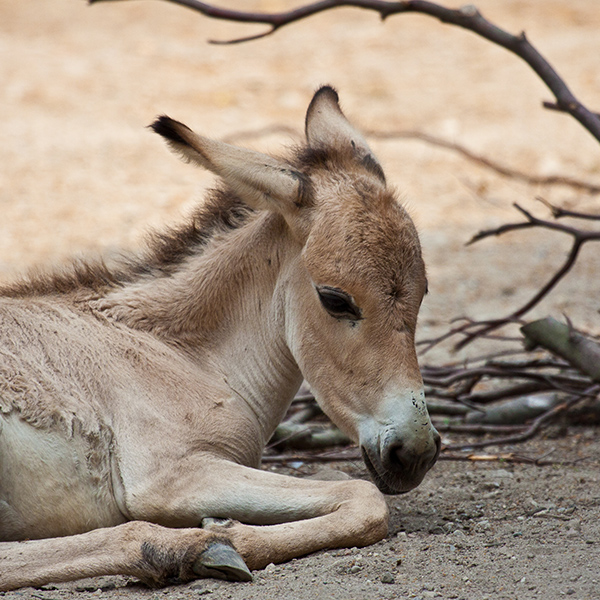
<point>263,182</point>
<point>327,127</point>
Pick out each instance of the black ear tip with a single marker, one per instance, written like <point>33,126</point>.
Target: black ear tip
<point>327,90</point>
<point>169,129</point>
<point>161,125</point>
<point>324,93</point>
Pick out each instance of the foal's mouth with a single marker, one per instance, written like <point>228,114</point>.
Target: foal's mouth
<point>379,479</point>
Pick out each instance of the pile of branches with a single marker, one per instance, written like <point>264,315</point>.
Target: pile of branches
<point>507,397</point>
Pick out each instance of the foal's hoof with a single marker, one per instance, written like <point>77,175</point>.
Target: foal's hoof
<point>221,561</point>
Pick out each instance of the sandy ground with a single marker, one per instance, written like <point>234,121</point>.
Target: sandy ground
<point>80,173</point>
<point>469,532</point>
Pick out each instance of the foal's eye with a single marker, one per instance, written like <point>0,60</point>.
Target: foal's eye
<point>338,304</point>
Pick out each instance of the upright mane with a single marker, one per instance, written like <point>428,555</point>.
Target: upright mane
<point>165,250</point>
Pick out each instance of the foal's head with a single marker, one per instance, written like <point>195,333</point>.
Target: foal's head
<point>352,294</point>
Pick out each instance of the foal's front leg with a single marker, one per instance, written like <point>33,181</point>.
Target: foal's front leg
<point>277,517</point>
<point>150,552</point>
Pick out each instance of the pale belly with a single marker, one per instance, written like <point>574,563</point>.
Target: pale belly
<point>53,483</point>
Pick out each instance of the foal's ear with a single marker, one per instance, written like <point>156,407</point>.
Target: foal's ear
<point>327,128</point>
<point>263,182</point>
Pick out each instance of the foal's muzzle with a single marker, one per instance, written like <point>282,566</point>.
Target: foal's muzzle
<point>397,468</point>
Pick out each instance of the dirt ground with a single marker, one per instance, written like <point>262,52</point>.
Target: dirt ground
<point>80,173</point>
<point>469,532</point>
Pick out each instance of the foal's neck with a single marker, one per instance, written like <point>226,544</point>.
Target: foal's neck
<point>210,292</point>
<point>225,306</point>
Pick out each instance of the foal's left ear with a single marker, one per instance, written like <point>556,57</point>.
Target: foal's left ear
<point>263,182</point>
<point>327,128</point>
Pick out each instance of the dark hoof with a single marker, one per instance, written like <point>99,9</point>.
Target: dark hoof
<point>221,561</point>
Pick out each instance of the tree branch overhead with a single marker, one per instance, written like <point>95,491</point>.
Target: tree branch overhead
<point>468,17</point>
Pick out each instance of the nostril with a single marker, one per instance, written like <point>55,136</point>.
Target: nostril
<point>402,459</point>
<point>396,457</point>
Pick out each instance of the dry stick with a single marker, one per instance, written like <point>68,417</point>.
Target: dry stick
<point>554,106</point>
<point>479,428</point>
<point>479,398</point>
<point>446,409</point>
<point>486,162</point>
<point>471,330</point>
<point>353,454</point>
<point>467,17</point>
<point>509,457</point>
<point>427,344</point>
<point>547,362</point>
<point>558,212</point>
<point>539,374</point>
<point>450,366</point>
<point>561,339</point>
<point>436,141</point>
<point>512,439</point>
<point>460,374</point>
<point>446,374</point>
<point>579,238</point>
<point>476,399</point>
<point>531,431</point>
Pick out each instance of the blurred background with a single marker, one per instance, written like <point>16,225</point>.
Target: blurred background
<point>80,172</point>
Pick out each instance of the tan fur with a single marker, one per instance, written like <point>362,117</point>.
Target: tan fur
<point>137,397</point>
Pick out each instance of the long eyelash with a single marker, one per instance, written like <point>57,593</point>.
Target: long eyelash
<point>347,308</point>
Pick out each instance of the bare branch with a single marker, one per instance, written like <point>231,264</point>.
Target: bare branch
<point>438,142</point>
<point>523,436</point>
<point>554,106</point>
<point>478,428</point>
<point>467,17</point>
<point>563,340</point>
<point>532,221</point>
<point>487,162</point>
<point>473,330</point>
<point>558,212</point>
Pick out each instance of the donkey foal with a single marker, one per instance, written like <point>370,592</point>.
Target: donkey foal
<point>136,398</point>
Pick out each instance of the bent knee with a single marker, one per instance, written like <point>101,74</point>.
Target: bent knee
<point>371,510</point>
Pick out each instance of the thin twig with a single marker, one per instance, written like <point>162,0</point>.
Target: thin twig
<point>467,17</point>
<point>509,457</point>
<point>471,330</point>
<point>554,106</point>
<point>438,142</point>
<point>478,398</point>
<point>352,454</point>
<point>485,161</point>
<point>478,429</point>
<point>530,432</point>
<point>558,212</point>
<point>498,373</point>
